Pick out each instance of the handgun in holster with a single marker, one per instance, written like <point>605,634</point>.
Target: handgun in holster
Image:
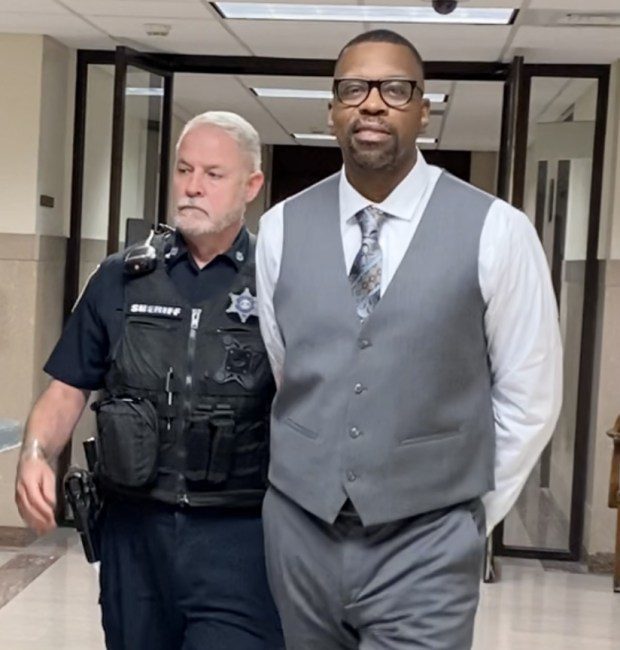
<point>83,497</point>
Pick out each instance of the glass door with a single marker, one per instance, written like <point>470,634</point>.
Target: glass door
<point>553,173</point>
<point>140,147</point>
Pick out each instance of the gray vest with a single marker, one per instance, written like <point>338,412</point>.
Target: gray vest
<point>396,413</point>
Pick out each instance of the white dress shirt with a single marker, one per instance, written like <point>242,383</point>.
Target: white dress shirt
<point>521,320</point>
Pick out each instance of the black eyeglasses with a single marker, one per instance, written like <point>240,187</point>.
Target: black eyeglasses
<point>396,93</point>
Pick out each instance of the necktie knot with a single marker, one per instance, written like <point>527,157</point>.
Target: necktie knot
<point>370,220</point>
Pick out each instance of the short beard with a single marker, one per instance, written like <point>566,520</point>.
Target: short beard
<point>191,226</point>
<point>373,159</point>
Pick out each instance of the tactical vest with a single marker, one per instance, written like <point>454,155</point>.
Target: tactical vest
<point>184,417</point>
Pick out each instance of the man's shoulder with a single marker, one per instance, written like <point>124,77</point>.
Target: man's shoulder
<point>271,220</point>
<point>104,285</point>
<point>316,188</point>
<point>113,263</point>
<point>466,186</point>
<point>325,191</point>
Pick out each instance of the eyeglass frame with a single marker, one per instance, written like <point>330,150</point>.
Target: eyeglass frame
<point>376,83</point>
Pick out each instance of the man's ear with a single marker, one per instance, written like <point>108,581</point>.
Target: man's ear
<point>425,117</point>
<point>253,185</point>
<point>330,119</point>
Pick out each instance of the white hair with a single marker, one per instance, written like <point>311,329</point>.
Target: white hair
<point>240,129</point>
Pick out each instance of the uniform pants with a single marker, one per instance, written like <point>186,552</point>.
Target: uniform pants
<point>412,584</point>
<point>185,579</point>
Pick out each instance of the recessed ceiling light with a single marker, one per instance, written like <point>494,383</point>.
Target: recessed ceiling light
<point>292,93</point>
<point>157,29</point>
<point>327,136</point>
<point>145,92</point>
<point>298,93</point>
<point>358,13</point>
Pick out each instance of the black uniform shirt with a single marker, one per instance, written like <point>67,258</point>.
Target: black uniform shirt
<point>81,356</point>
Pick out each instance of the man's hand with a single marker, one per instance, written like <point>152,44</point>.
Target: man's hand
<point>35,493</point>
<point>48,430</point>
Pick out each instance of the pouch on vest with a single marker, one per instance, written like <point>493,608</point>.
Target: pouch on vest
<point>210,452</point>
<point>128,440</point>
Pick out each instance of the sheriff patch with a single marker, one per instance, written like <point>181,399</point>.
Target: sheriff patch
<point>243,305</point>
<point>163,311</point>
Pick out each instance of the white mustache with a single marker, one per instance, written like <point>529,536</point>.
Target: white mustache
<point>190,204</point>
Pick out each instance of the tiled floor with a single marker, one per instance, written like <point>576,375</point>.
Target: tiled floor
<point>529,609</point>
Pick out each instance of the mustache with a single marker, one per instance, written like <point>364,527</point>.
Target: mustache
<point>376,124</point>
<point>184,205</point>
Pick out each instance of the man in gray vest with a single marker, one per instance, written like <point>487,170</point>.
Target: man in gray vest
<point>412,330</point>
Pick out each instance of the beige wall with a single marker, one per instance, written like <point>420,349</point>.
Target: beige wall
<point>20,76</point>
<point>483,173</point>
<point>36,108</point>
<point>600,526</point>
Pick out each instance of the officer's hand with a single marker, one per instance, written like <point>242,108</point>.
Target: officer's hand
<point>35,494</point>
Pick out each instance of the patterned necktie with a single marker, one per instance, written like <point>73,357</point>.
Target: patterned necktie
<point>365,275</point>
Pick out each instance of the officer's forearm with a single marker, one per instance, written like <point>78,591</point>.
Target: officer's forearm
<point>52,420</point>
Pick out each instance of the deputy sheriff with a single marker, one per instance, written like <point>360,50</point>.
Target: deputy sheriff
<point>168,331</point>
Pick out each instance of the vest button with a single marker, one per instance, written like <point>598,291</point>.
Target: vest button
<point>351,476</point>
<point>358,388</point>
<point>364,343</point>
<point>354,432</point>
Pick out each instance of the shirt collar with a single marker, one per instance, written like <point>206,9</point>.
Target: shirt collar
<point>402,201</point>
<point>236,254</point>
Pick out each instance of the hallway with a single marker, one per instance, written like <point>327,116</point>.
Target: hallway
<point>532,607</point>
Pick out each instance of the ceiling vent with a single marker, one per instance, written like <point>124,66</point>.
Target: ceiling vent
<point>157,29</point>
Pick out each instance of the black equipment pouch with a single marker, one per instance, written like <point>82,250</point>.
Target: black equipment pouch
<point>222,429</point>
<point>128,440</point>
<point>222,425</point>
<point>210,445</point>
<point>83,498</point>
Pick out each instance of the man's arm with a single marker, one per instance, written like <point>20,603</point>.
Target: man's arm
<point>268,258</point>
<point>524,347</point>
<point>77,365</point>
<point>48,430</point>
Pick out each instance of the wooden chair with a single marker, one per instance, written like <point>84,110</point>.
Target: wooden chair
<point>614,495</point>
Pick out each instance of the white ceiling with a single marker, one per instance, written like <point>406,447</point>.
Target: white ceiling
<point>471,119</point>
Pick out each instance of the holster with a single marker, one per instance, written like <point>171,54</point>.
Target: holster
<point>83,498</point>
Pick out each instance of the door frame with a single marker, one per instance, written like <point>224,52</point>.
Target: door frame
<point>513,163</point>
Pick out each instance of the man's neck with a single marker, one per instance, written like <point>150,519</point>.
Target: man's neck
<point>376,185</point>
<point>205,248</point>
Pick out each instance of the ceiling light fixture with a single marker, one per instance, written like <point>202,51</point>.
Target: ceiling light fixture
<point>300,93</point>
<point>157,29</point>
<point>313,136</point>
<point>327,136</point>
<point>359,13</point>
<point>145,92</point>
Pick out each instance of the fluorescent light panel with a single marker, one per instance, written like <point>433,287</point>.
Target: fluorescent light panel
<point>145,92</point>
<point>313,136</point>
<point>358,13</point>
<point>292,93</point>
<point>298,93</point>
<point>327,136</point>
